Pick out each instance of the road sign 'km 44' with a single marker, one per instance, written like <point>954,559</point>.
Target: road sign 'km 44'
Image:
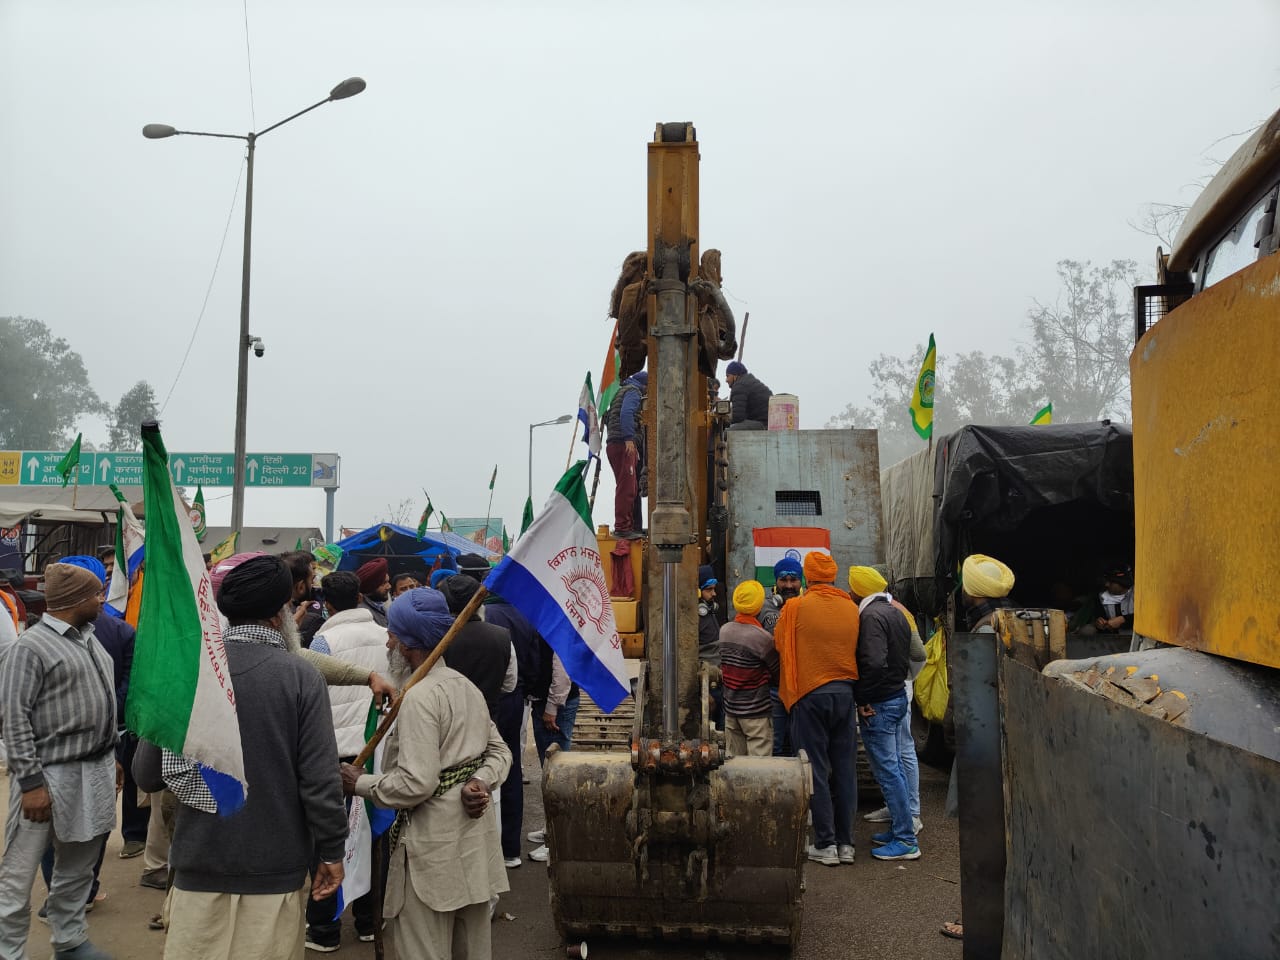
<point>124,468</point>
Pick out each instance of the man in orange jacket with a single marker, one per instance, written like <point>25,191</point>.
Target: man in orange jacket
<point>817,640</point>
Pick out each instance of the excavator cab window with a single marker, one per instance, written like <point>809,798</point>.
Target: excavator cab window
<point>1244,242</point>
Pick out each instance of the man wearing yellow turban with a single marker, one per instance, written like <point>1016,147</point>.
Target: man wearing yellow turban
<point>748,661</point>
<point>985,583</point>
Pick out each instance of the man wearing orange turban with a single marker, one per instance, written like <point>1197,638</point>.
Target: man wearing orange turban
<point>817,639</point>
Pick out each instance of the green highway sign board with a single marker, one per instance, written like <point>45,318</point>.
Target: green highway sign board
<point>38,468</point>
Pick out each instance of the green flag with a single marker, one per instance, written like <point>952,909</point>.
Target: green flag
<point>426,516</point>
<point>70,462</point>
<point>922,396</point>
<point>298,545</point>
<point>1043,415</point>
<point>494,477</point>
<point>506,540</point>
<point>445,525</point>
<point>197,514</point>
<point>528,516</point>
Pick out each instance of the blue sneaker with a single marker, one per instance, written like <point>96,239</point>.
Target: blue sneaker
<point>896,850</point>
<point>880,839</point>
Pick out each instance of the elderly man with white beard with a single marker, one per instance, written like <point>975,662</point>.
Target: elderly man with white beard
<point>444,758</point>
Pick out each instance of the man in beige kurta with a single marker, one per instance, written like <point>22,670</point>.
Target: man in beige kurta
<point>443,761</point>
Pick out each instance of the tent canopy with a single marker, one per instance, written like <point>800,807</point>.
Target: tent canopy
<point>53,504</point>
<point>402,548</point>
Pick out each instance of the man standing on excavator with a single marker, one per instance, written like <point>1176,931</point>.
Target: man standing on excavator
<point>622,425</point>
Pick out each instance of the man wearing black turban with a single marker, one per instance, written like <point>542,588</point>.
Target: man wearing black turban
<point>244,874</point>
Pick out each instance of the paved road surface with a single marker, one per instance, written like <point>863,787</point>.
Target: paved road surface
<point>868,910</point>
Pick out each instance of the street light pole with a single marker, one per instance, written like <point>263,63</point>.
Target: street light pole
<point>545,423</point>
<point>158,131</point>
<point>242,359</point>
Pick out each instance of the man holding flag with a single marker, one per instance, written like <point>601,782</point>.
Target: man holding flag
<point>444,758</point>
<point>241,879</point>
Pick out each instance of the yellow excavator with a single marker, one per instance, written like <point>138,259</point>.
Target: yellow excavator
<point>669,839</point>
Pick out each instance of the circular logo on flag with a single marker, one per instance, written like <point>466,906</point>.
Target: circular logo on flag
<point>925,387</point>
<point>588,599</point>
<point>793,554</point>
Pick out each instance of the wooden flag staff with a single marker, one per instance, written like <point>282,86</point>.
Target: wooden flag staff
<point>472,606</point>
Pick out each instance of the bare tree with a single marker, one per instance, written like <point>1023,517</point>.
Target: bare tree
<point>401,512</point>
<point>1076,355</point>
<point>136,405</point>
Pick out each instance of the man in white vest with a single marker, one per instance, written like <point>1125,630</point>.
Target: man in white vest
<point>352,634</point>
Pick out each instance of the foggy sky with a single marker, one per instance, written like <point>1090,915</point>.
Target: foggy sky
<point>432,259</point>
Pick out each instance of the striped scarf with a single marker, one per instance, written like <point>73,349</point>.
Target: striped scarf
<point>450,777</point>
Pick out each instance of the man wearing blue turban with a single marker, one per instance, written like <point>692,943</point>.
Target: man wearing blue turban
<point>444,759</point>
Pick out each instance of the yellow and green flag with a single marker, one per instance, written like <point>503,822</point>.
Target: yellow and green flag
<point>1043,415</point>
<point>922,396</point>
<point>227,548</point>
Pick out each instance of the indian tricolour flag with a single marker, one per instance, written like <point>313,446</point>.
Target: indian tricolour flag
<point>774,543</point>
<point>130,540</point>
<point>180,693</point>
<point>555,578</point>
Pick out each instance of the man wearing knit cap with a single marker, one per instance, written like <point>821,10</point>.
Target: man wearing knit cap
<point>375,588</point>
<point>787,583</point>
<point>240,883</point>
<point>481,652</point>
<point>748,662</point>
<point>57,694</point>
<point>884,642</point>
<point>444,758</point>
<point>117,638</point>
<point>623,430</point>
<point>748,399</point>
<point>817,639</point>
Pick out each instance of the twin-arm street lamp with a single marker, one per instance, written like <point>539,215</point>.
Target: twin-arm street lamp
<point>159,131</point>
<point>545,423</point>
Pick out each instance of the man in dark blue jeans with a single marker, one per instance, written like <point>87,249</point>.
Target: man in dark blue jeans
<point>884,650</point>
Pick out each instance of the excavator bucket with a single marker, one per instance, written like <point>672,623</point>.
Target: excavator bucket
<point>724,862</point>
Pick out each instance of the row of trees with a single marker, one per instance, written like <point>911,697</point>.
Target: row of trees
<point>1074,353</point>
<point>45,393</point>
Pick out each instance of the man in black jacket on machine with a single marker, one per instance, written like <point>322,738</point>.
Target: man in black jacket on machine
<point>748,398</point>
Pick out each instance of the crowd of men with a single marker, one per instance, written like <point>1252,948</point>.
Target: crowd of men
<point>309,675</point>
<point>805,666</point>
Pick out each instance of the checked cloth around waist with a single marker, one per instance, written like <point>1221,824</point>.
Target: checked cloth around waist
<point>450,777</point>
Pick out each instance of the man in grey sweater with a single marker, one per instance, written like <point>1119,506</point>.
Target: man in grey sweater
<point>57,687</point>
<point>241,881</point>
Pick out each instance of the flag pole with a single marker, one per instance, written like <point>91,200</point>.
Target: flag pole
<point>573,441</point>
<point>472,606</point>
<point>595,483</point>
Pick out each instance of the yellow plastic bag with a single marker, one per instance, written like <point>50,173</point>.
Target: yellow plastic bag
<point>932,691</point>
